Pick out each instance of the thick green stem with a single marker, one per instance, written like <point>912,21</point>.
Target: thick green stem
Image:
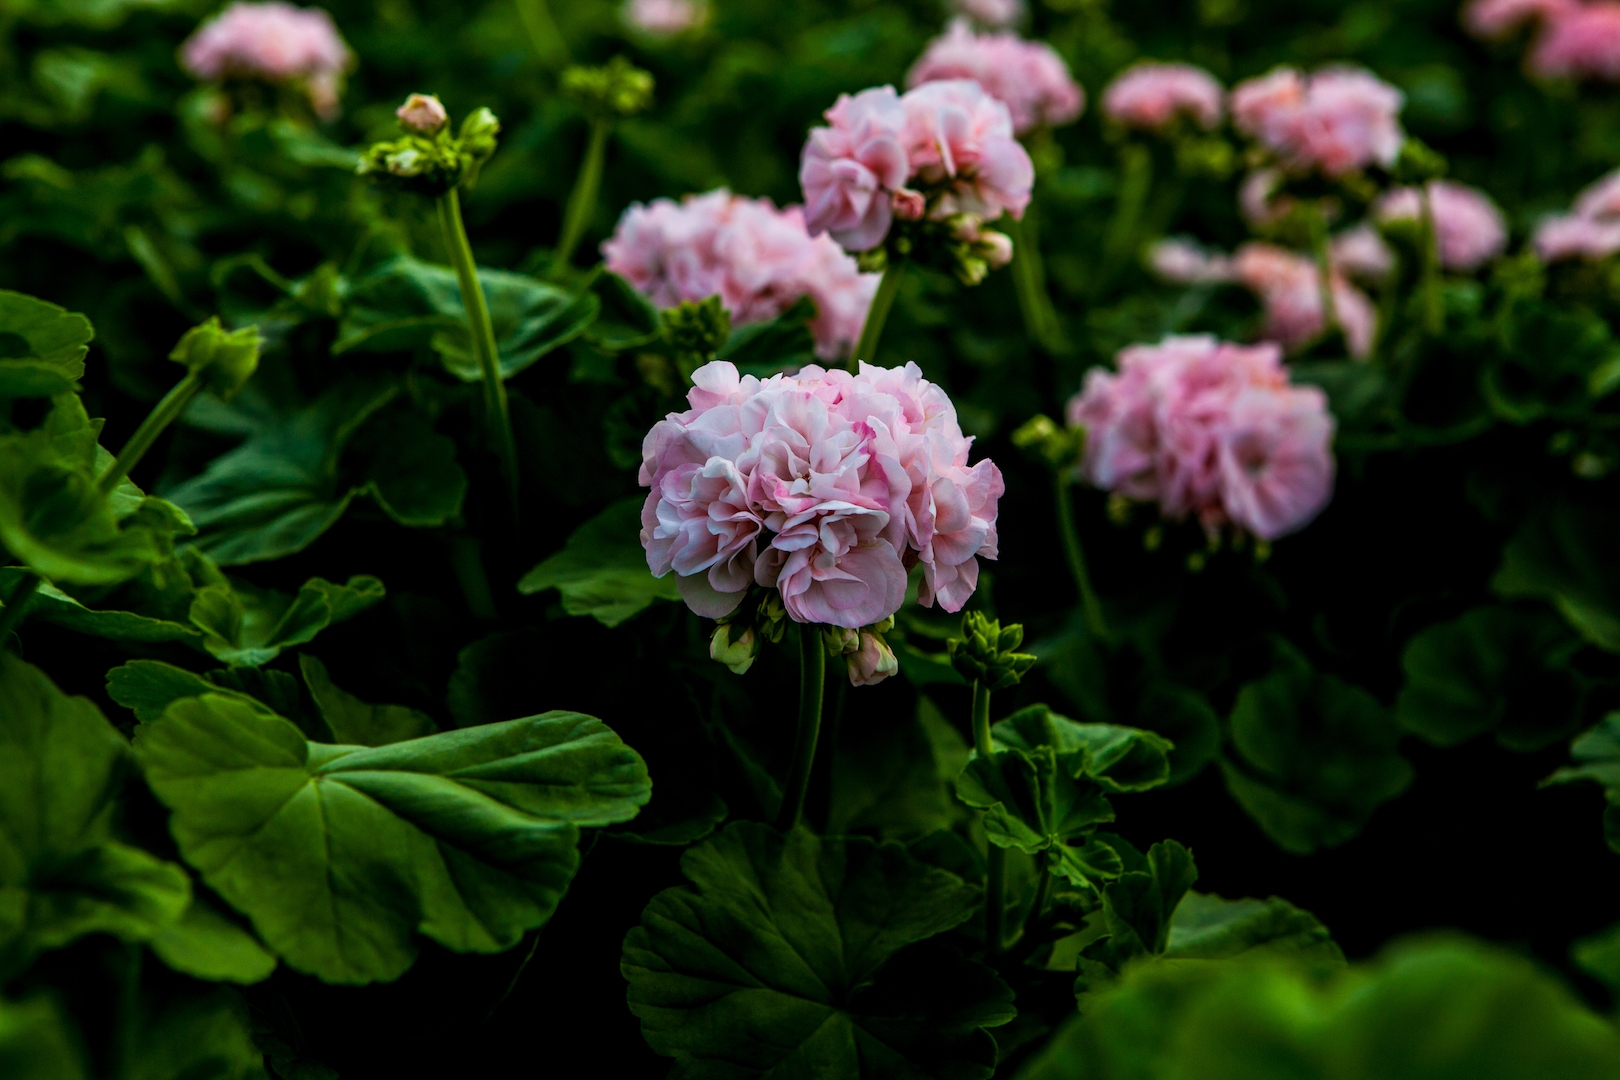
<point>1029,277</point>
<point>167,412</point>
<point>982,742</point>
<point>812,682</point>
<point>995,868</point>
<point>543,33</point>
<point>582,201</point>
<point>17,605</point>
<point>1434,311</point>
<point>1324,267</point>
<point>1089,603</point>
<point>1135,182</point>
<point>888,289</point>
<point>483,339</point>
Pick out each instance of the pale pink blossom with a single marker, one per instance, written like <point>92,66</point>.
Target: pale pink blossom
<point>273,41</point>
<point>1150,95</point>
<point>1182,261</point>
<point>664,18</point>
<point>996,14</point>
<point>1581,41</point>
<point>1289,289</point>
<point>1591,231</point>
<point>1492,19</point>
<point>1260,200</point>
<point>1338,120</point>
<point>1601,199</point>
<point>1028,77</point>
<point>759,260</point>
<point>959,137</point>
<point>1469,230</point>
<point>1211,431</point>
<point>423,114</point>
<point>851,169</point>
<point>872,662</point>
<point>1361,253</point>
<point>823,485</point>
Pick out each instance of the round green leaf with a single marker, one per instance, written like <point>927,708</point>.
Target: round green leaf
<point>42,347</point>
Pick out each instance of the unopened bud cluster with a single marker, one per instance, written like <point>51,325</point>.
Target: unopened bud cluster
<point>226,359</point>
<point>866,652</point>
<point>615,90</point>
<point>695,332</point>
<point>1059,447</point>
<point>428,159</point>
<point>988,654</point>
<point>758,619</point>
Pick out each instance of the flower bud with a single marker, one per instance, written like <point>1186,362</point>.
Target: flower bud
<point>840,641</point>
<point>986,652</point>
<point>996,247</point>
<point>734,646</point>
<point>873,662</point>
<point>909,205</point>
<point>616,89</point>
<point>1059,447</point>
<point>227,359</point>
<point>422,114</point>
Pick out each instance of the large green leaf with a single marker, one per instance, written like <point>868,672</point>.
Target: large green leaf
<point>892,775</point>
<point>52,605</point>
<point>42,347</point>
<point>341,855</point>
<point>356,723</point>
<point>246,626</point>
<point>1496,668</point>
<point>1562,554</point>
<point>1033,803</point>
<point>1314,755</point>
<point>38,1043</point>
<point>62,875</point>
<point>788,956</point>
<point>602,570</point>
<point>1206,927</point>
<point>207,944</point>
<point>1119,759</point>
<point>1597,758</point>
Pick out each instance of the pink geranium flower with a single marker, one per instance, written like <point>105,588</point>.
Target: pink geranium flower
<point>759,260</point>
<point>996,14</point>
<point>1209,430</point>
<point>1186,262</point>
<point>851,169</point>
<point>275,42</point>
<point>1580,41</point>
<point>958,136</point>
<point>1492,19</point>
<point>825,486</point>
<point>1338,120</point>
<point>1591,231</point>
<point>1150,95</point>
<point>1028,77</point>
<point>1289,289</point>
<point>664,18</point>
<point>1469,229</point>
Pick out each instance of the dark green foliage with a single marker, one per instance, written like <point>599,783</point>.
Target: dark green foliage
<point>602,570</point>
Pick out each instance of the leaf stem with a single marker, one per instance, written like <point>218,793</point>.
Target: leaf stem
<point>1324,266</point>
<point>995,868</point>
<point>872,330</point>
<point>1029,278</point>
<point>1434,311</point>
<point>157,421</point>
<point>1089,602</point>
<point>582,200</point>
<point>17,604</point>
<point>543,33</point>
<point>982,741</point>
<point>812,683</point>
<point>483,338</point>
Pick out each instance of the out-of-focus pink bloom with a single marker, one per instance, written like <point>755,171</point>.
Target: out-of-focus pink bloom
<point>823,485</point>
<point>1028,77</point>
<point>1469,229</point>
<point>1259,201</point>
<point>1338,120</point>
<point>1209,430</point>
<point>1492,19</point>
<point>1591,231</point>
<point>959,136</point>
<point>873,662</point>
<point>851,169</point>
<point>1582,41</point>
<point>1361,253</point>
<point>1290,291</point>
<point>996,14</point>
<point>423,114</point>
<point>759,260</point>
<point>1150,95</point>
<point>273,41</point>
<point>664,18</point>
<point>1185,262</point>
<point>1601,199</point>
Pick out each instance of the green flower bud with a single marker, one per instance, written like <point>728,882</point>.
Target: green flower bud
<point>1041,437</point>
<point>696,331</point>
<point>433,164</point>
<point>735,646</point>
<point>1419,162</point>
<point>840,641</point>
<point>227,359</point>
<point>616,89</point>
<point>987,653</point>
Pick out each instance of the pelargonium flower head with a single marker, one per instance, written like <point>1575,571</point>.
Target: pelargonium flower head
<point>1290,291</point>
<point>824,486</point>
<point>1208,430</point>
<point>759,260</point>
<point>273,41</point>
<point>958,135</point>
<point>664,18</point>
<point>1361,253</point>
<point>1339,120</point>
<point>1029,77</point>
<point>1469,230</point>
<point>851,169</point>
<point>1591,231</point>
<point>1581,41</point>
<point>1182,261</point>
<point>1492,19</point>
<point>996,14</point>
<point>1150,95</point>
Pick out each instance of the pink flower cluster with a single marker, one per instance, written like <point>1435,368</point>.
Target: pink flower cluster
<point>759,260</point>
<point>1339,120</point>
<point>997,14</point>
<point>1590,231</point>
<point>1578,41</point>
<point>948,136</point>
<point>1209,430</point>
<point>824,485</point>
<point>274,41</point>
<point>1028,77</point>
<point>1469,230</point>
<point>664,18</point>
<point>1492,19</point>
<point>1150,95</point>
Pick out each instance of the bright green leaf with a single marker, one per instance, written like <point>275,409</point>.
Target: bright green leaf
<point>206,944</point>
<point>355,723</point>
<point>247,626</point>
<point>54,606</point>
<point>37,1042</point>
<point>602,570</point>
<point>42,347</point>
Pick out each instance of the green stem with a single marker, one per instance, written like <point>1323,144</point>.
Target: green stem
<point>1434,311</point>
<point>1029,277</point>
<point>888,289</point>
<point>483,339</point>
<point>1038,908</point>
<point>1136,181</point>
<point>467,559</point>
<point>17,605</point>
<point>582,200</point>
<point>812,683</point>
<point>1324,267</point>
<point>995,863</point>
<point>167,412</point>
<point>543,33</point>
<point>1089,603</point>
<point>982,742</point>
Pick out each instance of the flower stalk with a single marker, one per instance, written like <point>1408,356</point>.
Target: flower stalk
<point>582,200</point>
<point>1136,181</point>
<point>995,871</point>
<point>812,683</point>
<point>1320,250</point>
<point>1029,279</point>
<point>878,314</point>
<point>1090,604</point>
<point>1434,311</point>
<point>157,421</point>
<point>543,32</point>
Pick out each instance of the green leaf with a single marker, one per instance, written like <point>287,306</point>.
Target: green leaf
<point>354,722</point>
<point>1597,756</point>
<point>787,957</point>
<point>627,321</point>
<point>54,606</point>
<point>602,570</point>
<point>207,944</point>
<point>1314,755</point>
<point>1187,720</point>
<point>42,347</point>
<point>1119,759</point>
<point>765,348</point>
<point>37,1042</point>
<point>62,875</point>
<point>1495,668</point>
<point>409,469</point>
<point>196,1038</point>
<point>1562,554</point>
<point>1206,927</point>
<point>246,626</point>
<point>891,777</point>
<point>1599,956</point>
<point>1137,908</point>
<point>147,687</point>
<point>340,855</point>
<point>1034,803</point>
